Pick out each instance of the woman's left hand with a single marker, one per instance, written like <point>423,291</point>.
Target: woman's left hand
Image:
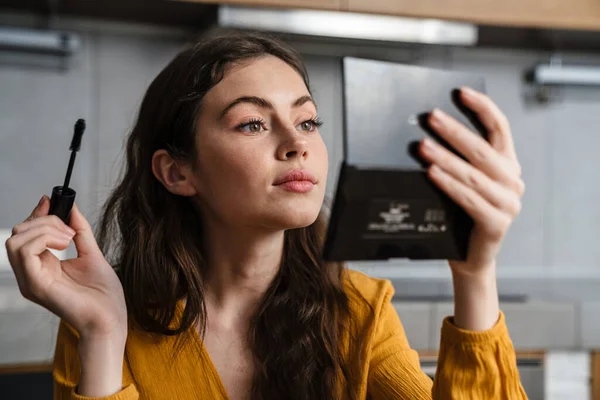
<point>488,187</point>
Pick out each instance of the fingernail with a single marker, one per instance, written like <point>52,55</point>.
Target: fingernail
<point>437,117</point>
<point>70,231</point>
<point>68,237</point>
<point>41,201</point>
<point>434,170</point>
<point>428,145</point>
<point>467,91</point>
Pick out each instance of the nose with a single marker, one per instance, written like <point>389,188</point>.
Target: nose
<point>294,145</point>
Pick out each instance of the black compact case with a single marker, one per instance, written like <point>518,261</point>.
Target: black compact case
<point>385,206</point>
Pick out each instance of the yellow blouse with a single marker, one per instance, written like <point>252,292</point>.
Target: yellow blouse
<point>471,365</point>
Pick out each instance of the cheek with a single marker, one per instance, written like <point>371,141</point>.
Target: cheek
<point>321,156</point>
<point>228,171</point>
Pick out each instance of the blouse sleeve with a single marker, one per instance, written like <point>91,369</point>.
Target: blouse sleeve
<point>477,365</point>
<point>471,365</point>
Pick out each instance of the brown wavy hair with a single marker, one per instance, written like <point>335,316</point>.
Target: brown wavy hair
<point>152,238</point>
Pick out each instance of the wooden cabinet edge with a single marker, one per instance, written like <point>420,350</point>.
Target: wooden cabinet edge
<point>25,368</point>
<point>595,375</point>
<point>335,5</point>
<point>529,19</point>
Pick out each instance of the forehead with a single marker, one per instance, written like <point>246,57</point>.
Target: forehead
<point>268,77</point>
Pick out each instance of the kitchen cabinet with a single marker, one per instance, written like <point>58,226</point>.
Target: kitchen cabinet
<point>309,4</point>
<point>557,14</point>
<point>574,14</point>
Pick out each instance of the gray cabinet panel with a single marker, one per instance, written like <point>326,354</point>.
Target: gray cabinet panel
<point>415,318</point>
<point>532,326</point>
<point>38,109</point>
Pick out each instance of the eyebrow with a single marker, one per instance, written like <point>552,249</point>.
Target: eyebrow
<point>263,103</point>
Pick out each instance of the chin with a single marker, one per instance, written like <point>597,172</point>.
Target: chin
<point>294,217</point>
<point>301,220</point>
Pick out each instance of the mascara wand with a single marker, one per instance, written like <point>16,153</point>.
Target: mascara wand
<point>63,196</point>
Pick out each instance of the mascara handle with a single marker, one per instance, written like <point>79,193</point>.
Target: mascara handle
<point>61,202</point>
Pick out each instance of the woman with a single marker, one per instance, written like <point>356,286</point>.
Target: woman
<point>218,289</point>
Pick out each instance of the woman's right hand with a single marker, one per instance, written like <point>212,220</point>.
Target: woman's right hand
<point>84,291</point>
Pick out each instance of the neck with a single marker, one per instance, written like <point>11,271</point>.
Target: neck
<point>241,264</point>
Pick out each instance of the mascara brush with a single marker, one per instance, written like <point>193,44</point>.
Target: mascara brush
<point>63,197</point>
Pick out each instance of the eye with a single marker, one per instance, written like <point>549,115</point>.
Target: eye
<point>252,126</point>
<point>310,124</point>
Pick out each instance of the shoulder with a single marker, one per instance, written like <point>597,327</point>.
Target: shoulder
<point>366,294</point>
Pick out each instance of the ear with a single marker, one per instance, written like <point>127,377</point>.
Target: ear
<point>175,176</point>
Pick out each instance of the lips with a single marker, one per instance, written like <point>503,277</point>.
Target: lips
<point>296,175</point>
<point>297,180</point>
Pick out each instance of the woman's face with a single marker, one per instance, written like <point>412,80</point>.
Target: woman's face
<point>256,126</point>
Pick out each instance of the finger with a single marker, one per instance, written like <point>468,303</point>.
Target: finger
<point>52,220</point>
<point>497,195</point>
<point>30,255</point>
<point>493,119</point>
<point>491,219</point>
<point>25,272</point>
<point>85,242</point>
<point>40,210</point>
<point>41,243</point>
<point>15,242</point>
<point>475,149</point>
<point>24,255</point>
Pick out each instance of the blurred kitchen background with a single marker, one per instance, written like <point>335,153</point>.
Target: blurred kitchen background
<point>63,60</point>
